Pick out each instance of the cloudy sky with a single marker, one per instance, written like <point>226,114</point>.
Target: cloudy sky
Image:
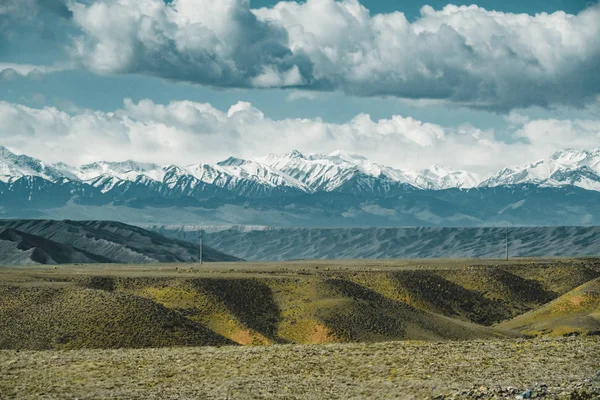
<point>407,83</point>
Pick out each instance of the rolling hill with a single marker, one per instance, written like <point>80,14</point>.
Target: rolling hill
<point>304,302</point>
<point>574,313</point>
<point>25,242</point>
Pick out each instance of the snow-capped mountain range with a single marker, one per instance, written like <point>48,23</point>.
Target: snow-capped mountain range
<point>295,172</point>
<point>304,190</point>
<point>569,167</point>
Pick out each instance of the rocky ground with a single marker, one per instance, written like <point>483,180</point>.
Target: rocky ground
<point>564,368</point>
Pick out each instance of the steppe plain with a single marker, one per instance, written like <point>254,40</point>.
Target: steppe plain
<point>306,329</point>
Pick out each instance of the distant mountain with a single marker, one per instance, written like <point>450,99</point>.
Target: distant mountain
<point>19,248</point>
<point>25,242</point>
<point>565,168</point>
<point>14,166</point>
<point>389,243</point>
<point>330,172</point>
<point>313,190</point>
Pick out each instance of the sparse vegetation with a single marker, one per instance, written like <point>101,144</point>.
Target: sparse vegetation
<point>81,307</point>
<point>565,368</point>
<point>575,313</point>
<point>164,307</point>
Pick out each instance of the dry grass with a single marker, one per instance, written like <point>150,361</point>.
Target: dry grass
<point>169,311</point>
<point>261,304</point>
<point>576,312</point>
<point>406,370</point>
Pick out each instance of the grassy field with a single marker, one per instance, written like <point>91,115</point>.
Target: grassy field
<point>242,330</point>
<point>565,368</point>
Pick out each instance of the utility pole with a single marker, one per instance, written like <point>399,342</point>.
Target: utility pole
<point>201,233</point>
<point>506,243</point>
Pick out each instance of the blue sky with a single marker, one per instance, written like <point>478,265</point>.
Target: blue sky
<point>444,72</point>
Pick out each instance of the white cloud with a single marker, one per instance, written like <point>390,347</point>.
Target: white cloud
<point>187,132</point>
<point>547,135</point>
<point>462,55</point>
<point>218,43</point>
<point>514,118</point>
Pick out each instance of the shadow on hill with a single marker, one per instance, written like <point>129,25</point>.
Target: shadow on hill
<point>428,291</point>
<point>365,315</point>
<point>65,309</point>
<point>249,300</point>
<point>105,283</point>
<point>513,293</point>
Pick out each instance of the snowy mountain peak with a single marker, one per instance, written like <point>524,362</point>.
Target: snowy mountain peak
<point>571,156</point>
<point>569,167</point>
<point>120,166</point>
<point>232,162</point>
<point>294,172</point>
<point>347,156</point>
<point>125,170</point>
<point>439,177</point>
<point>440,169</point>
<point>6,153</point>
<point>13,166</point>
<point>294,154</point>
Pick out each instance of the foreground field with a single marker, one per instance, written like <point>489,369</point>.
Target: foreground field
<point>567,368</point>
<point>345,329</point>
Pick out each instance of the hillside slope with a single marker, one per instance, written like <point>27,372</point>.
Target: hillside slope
<point>66,242</point>
<point>380,243</point>
<point>19,248</point>
<point>64,318</point>
<point>576,312</point>
<point>257,304</point>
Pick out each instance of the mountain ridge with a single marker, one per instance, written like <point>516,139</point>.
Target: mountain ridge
<point>27,242</point>
<point>339,190</point>
<point>295,172</point>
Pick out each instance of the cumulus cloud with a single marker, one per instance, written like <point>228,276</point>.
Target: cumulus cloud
<point>185,132</point>
<point>552,133</point>
<point>218,43</point>
<point>461,55</point>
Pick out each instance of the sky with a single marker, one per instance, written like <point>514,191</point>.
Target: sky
<point>405,83</point>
